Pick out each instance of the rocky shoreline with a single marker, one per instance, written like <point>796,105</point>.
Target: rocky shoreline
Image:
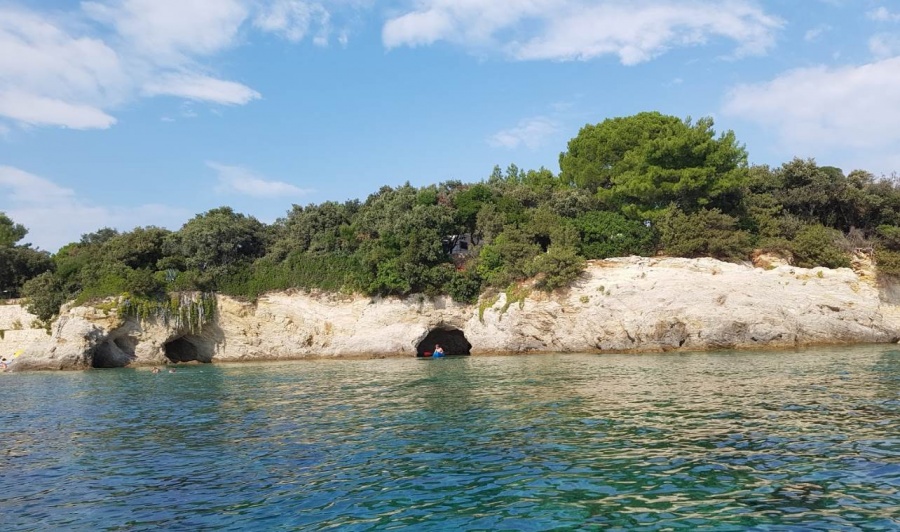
<point>633,304</point>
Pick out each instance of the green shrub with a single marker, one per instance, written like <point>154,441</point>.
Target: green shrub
<point>888,262</point>
<point>607,234</point>
<point>305,271</point>
<point>464,286</point>
<point>706,233</point>
<point>181,310</point>
<point>817,245</point>
<point>557,268</point>
<point>889,236</point>
<point>45,294</point>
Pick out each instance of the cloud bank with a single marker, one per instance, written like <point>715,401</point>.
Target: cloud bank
<point>75,68</point>
<point>56,216</point>
<point>240,180</point>
<point>819,108</point>
<point>635,31</point>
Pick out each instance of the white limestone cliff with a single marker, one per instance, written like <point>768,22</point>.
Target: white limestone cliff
<point>632,304</point>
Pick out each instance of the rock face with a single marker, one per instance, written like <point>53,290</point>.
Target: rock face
<point>632,304</point>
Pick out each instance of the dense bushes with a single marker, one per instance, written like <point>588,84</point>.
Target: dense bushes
<point>817,245</point>
<point>706,233</point>
<point>642,185</point>
<point>887,255</point>
<point>608,234</point>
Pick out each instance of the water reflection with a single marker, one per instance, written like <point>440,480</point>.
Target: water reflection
<point>805,439</point>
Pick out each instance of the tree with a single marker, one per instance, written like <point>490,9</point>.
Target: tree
<point>817,245</point>
<point>137,249</point>
<point>404,240</point>
<point>317,228</point>
<point>468,202</point>
<point>645,162</point>
<point>824,195</point>
<point>18,263</point>
<point>218,241</point>
<point>10,232</point>
<point>706,233</point>
<point>609,234</point>
<point>45,295</point>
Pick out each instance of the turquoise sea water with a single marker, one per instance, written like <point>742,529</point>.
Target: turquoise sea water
<point>725,441</point>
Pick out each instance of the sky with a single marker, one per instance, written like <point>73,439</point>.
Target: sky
<point>127,113</point>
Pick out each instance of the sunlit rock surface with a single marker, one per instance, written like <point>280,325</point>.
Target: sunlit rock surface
<point>629,304</point>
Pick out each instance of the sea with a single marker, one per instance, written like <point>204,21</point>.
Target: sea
<point>774,440</point>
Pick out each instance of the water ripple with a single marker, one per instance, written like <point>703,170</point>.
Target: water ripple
<point>727,441</point>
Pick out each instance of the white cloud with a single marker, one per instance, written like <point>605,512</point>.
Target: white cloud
<point>202,88</point>
<point>42,111</point>
<point>532,133</point>
<point>814,34</point>
<point>635,31</point>
<point>172,30</point>
<point>239,180</point>
<point>884,45</point>
<point>76,68</point>
<point>293,20</point>
<point>56,216</point>
<point>814,110</point>
<point>882,14</point>
<point>49,77</point>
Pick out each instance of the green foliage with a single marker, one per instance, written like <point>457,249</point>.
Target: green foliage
<point>627,186</point>
<point>186,311</point>
<point>45,295</point>
<point>515,294</point>
<point>464,286</point>
<point>824,195</point>
<point>141,248</point>
<point>557,268</point>
<point>487,301</point>
<point>508,258</point>
<point>889,236</point>
<point>18,264</point>
<point>10,232</point>
<point>607,234</point>
<point>218,241</point>
<point>330,273</point>
<point>468,203</point>
<point>645,162</point>
<point>488,223</point>
<point>706,233</point>
<point>402,241</point>
<point>817,245</point>
<point>888,262</point>
<point>321,228</point>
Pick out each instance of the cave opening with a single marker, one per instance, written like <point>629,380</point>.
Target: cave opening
<point>114,352</point>
<point>187,348</point>
<point>451,339</point>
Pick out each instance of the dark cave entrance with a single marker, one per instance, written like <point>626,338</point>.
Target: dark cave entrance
<point>188,348</point>
<point>114,353</point>
<point>451,339</point>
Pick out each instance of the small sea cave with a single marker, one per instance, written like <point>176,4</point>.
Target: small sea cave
<point>450,338</point>
<point>114,352</point>
<point>188,348</point>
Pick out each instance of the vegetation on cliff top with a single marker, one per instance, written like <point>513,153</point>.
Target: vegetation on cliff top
<point>641,185</point>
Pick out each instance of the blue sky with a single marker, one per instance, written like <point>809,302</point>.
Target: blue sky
<point>127,113</point>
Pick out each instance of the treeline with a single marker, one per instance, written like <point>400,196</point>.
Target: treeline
<point>642,185</point>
